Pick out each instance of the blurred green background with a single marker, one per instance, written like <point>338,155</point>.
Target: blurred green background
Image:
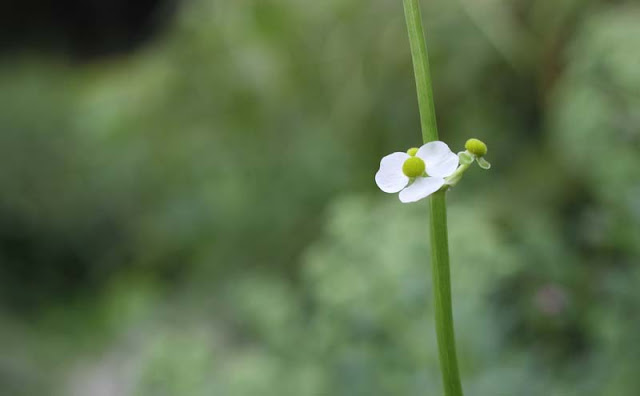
<point>196,214</point>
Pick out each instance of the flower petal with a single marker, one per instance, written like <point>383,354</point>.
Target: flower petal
<point>389,177</point>
<point>439,159</point>
<point>422,187</point>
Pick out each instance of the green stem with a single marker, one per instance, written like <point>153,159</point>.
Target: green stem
<point>455,177</point>
<point>421,70</point>
<point>442,295</point>
<point>438,207</point>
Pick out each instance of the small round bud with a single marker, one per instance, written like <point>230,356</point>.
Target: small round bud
<point>413,167</point>
<point>476,147</point>
<point>412,151</point>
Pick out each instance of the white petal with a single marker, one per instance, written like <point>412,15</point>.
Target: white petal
<point>439,159</point>
<point>389,177</point>
<point>422,187</point>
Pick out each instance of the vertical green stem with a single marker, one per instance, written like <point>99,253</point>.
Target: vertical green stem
<point>421,70</point>
<point>438,207</point>
<point>442,296</point>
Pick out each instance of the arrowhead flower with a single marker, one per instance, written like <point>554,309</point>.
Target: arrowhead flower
<point>417,173</point>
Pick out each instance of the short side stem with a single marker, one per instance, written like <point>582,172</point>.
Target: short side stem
<point>438,208</point>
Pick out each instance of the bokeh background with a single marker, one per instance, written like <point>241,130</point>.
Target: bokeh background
<point>187,204</point>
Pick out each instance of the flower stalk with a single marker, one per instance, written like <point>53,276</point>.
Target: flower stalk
<point>438,208</point>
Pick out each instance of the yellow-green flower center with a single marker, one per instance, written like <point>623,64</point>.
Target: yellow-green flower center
<point>476,147</point>
<point>413,167</point>
<point>412,151</point>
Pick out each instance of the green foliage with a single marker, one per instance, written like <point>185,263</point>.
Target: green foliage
<point>200,217</point>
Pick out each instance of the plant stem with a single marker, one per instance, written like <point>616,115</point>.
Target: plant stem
<point>442,295</point>
<point>438,207</point>
<point>421,70</point>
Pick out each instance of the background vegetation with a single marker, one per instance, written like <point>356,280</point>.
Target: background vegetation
<point>197,216</point>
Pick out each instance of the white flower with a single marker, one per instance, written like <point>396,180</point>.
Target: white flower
<point>417,173</point>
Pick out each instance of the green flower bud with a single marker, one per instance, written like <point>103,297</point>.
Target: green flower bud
<point>476,147</point>
<point>413,167</point>
<point>412,151</point>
